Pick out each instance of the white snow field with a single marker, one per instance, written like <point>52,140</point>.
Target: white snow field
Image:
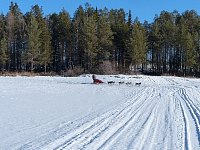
<point>60,113</point>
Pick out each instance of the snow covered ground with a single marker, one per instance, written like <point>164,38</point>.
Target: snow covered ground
<point>71,113</point>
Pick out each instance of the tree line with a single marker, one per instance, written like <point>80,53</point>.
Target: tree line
<point>99,41</point>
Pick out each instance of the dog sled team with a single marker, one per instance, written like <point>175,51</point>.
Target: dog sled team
<point>122,82</point>
<point>97,81</point>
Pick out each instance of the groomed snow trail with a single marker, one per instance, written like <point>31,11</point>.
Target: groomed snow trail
<point>163,114</point>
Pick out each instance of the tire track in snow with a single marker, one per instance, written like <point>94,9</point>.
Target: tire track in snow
<point>87,139</point>
<point>179,124</point>
<point>159,135</point>
<point>62,131</point>
<point>185,125</point>
<point>168,126</point>
<point>186,104</point>
<point>124,117</point>
<point>185,129</point>
<point>105,131</point>
<point>146,129</point>
<point>160,131</point>
<point>150,126</point>
<point>137,120</point>
<point>194,111</point>
<point>84,129</point>
<point>186,142</point>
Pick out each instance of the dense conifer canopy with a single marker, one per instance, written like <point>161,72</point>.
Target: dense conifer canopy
<point>99,41</point>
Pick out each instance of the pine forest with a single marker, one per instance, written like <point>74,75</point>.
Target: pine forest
<point>99,41</point>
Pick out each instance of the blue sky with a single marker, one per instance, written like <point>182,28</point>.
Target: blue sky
<point>143,9</point>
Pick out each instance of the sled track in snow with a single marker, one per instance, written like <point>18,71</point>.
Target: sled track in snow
<point>147,120</point>
<point>127,125</point>
<point>187,120</point>
<point>164,116</point>
<point>181,126</point>
<point>194,111</point>
<point>117,119</point>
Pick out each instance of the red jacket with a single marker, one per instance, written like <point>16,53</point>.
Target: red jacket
<point>96,81</point>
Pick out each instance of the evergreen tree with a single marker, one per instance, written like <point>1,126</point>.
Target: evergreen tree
<point>120,30</point>
<point>166,28</point>
<point>64,38</point>
<point>33,52</point>
<point>79,37</point>
<point>128,55</point>
<point>16,36</point>
<point>180,41</point>
<point>198,45</point>
<point>105,37</point>
<point>55,42</point>
<point>90,33</point>
<point>189,53</point>
<point>137,44</point>
<point>44,38</point>
<point>147,28</point>
<point>156,45</point>
<point>2,26</point>
<point>3,51</point>
<point>45,51</point>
